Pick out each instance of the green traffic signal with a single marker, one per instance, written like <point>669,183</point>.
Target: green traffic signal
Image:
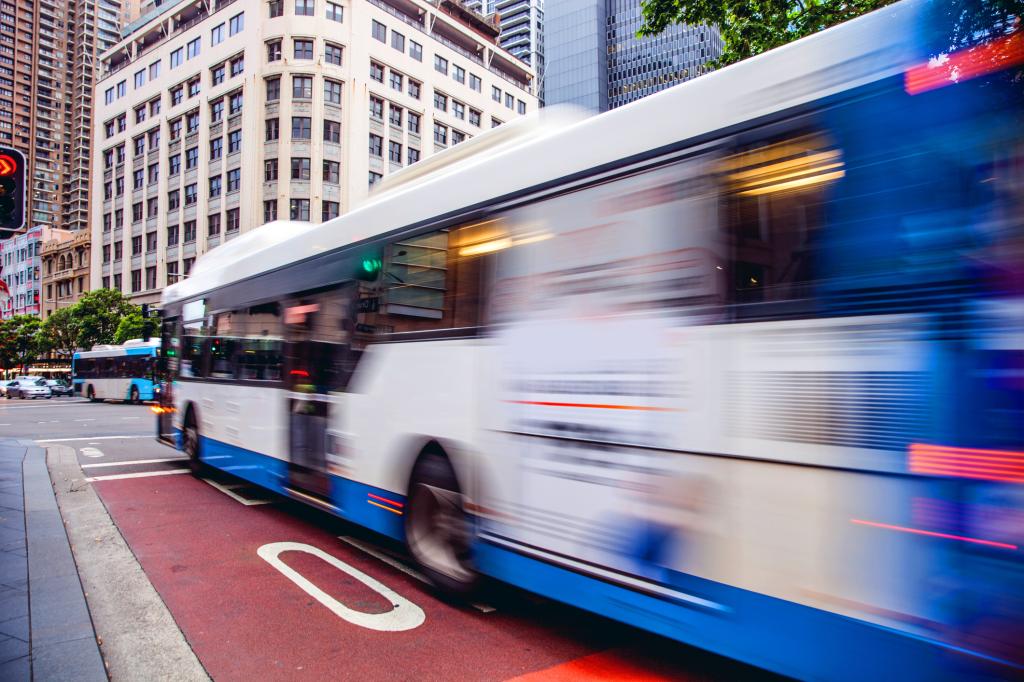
<point>370,268</point>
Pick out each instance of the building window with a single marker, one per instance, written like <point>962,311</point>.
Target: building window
<point>177,96</point>
<point>474,117</point>
<point>117,281</point>
<point>299,209</point>
<point>376,145</point>
<point>395,152</point>
<point>108,96</point>
<point>139,145</point>
<point>138,179</point>
<point>118,251</point>
<point>216,111</point>
<point>187,265</point>
<point>273,129</point>
<point>302,87</point>
<point>152,207</point>
<point>396,81</point>
<point>305,8</point>
<point>376,72</point>
<point>510,101</point>
<point>137,212</point>
<point>458,73</point>
<point>332,131</point>
<point>234,179</point>
<point>335,12</point>
<point>303,48</point>
<point>234,221</point>
<point>172,272</point>
<point>302,128</point>
<point>379,31</point>
<point>213,225</point>
<point>415,50</point>
<point>414,89</point>
<point>193,48</point>
<point>496,93</point>
<point>458,109</point>
<point>122,89</point>
<point>274,51</point>
<point>332,172</point>
<point>174,164</point>
<point>136,280</point>
<point>413,122</point>
<point>300,168</point>
<point>106,253</point>
<point>216,148</point>
<point>172,235</point>
<point>395,116</point>
<point>177,57</point>
<point>191,158</point>
<point>154,70</point>
<point>107,218</point>
<point>457,136</point>
<point>375,178</point>
<point>273,89</point>
<point>215,186</point>
<point>234,141</point>
<point>521,106</point>
<point>332,54</point>
<point>495,122</point>
<point>190,231</point>
<point>237,65</point>
<point>440,101</point>
<point>140,113</point>
<point>236,23</point>
<point>276,8</point>
<point>154,106</point>
<point>397,41</point>
<point>376,108</point>
<point>217,74</point>
<point>174,129</point>
<point>151,277</point>
<point>440,134</point>
<point>151,242</point>
<point>413,155</point>
<point>137,245</point>
<point>217,34</point>
<point>118,186</point>
<point>328,210</point>
<point>191,194</point>
<point>270,170</point>
<point>475,82</point>
<point>269,210</point>
<point>192,122</point>
<point>234,102</point>
<point>153,175</point>
<point>173,199</point>
<point>440,64</point>
<point>332,92</point>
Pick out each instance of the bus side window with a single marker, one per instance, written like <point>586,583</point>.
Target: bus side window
<point>774,214</point>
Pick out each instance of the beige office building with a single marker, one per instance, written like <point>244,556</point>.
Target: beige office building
<point>216,117</point>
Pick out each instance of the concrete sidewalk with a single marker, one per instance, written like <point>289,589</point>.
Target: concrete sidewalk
<point>46,632</point>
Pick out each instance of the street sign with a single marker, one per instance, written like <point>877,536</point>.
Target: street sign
<point>12,192</point>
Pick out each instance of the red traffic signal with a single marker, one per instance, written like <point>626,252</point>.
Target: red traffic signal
<point>12,191</point>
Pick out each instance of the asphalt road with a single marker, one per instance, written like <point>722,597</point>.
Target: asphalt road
<point>263,588</point>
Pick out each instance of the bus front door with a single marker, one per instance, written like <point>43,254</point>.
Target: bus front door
<point>165,369</point>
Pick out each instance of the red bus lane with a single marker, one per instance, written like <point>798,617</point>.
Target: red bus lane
<point>262,592</point>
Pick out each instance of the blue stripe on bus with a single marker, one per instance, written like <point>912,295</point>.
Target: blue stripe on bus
<point>771,633</point>
<point>353,499</point>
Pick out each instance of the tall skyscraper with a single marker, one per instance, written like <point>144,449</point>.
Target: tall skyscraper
<point>521,25</point>
<point>48,52</point>
<point>595,59</point>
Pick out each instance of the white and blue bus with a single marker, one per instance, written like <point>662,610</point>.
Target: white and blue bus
<point>111,372</point>
<point>738,363</point>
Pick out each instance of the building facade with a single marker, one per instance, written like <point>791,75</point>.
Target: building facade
<point>48,52</point>
<point>595,59</point>
<point>522,33</point>
<point>299,106</point>
<point>21,257</point>
<point>65,264</point>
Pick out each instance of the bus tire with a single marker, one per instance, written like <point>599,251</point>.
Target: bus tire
<point>190,443</point>
<point>438,531</point>
<point>91,394</point>
<point>133,395</point>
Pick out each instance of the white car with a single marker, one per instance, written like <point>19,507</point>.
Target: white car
<point>28,387</point>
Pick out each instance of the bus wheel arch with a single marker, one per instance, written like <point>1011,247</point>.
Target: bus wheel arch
<point>190,439</point>
<point>438,530</point>
<point>90,393</point>
<point>133,395</point>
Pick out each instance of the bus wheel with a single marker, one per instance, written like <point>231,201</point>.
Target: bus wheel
<point>190,443</point>
<point>437,529</point>
<point>91,394</point>
<point>133,396</point>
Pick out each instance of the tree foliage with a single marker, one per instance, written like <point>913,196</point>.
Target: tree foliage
<point>60,331</point>
<point>19,341</point>
<point>99,313</point>
<point>134,326</point>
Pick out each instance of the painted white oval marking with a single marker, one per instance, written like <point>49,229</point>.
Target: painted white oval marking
<point>91,452</point>
<point>404,616</point>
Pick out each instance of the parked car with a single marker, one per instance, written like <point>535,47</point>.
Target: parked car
<point>58,387</point>
<point>4,384</point>
<point>28,387</point>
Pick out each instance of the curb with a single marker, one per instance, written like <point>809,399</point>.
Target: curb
<point>138,637</point>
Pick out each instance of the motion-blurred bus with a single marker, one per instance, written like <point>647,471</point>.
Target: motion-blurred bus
<point>112,372</point>
<point>741,363</point>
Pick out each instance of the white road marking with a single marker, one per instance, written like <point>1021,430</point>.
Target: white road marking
<point>4,424</point>
<point>129,418</point>
<point>84,420</point>
<point>408,570</point>
<point>130,462</point>
<point>144,474</point>
<point>91,452</point>
<point>234,496</point>
<point>404,616</point>
<point>42,406</point>
<point>68,440</point>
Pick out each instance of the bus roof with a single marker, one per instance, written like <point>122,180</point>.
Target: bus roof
<point>132,347</point>
<point>858,52</point>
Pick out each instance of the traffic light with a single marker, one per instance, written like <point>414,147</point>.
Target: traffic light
<point>369,268</point>
<point>12,190</point>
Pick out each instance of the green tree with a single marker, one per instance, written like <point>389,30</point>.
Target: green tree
<point>19,341</point>
<point>134,326</point>
<point>99,313</point>
<point>60,331</point>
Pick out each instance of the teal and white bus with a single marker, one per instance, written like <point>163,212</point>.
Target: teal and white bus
<point>110,372</point>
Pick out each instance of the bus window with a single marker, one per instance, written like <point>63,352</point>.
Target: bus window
<point>775,198</point>
<point>192,356</point>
